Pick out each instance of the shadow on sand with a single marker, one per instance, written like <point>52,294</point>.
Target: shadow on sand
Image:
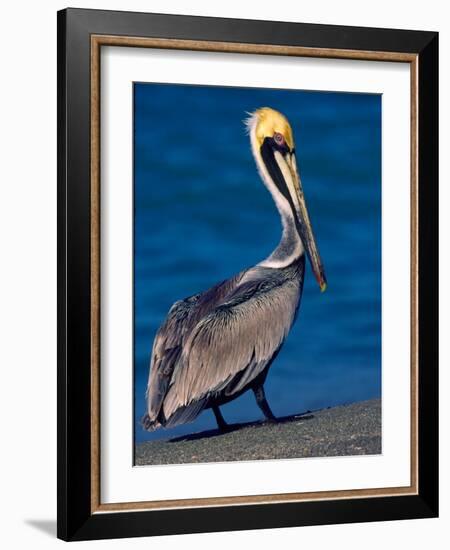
<point>235,427</point>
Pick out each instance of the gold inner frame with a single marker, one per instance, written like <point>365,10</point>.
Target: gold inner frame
<point>97,41</point>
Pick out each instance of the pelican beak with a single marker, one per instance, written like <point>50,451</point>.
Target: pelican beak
<point>304,227</point>
<point>282,168</point>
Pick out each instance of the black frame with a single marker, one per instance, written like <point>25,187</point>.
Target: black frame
<point>75,521</point>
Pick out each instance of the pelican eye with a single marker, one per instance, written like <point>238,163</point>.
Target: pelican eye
<point>279,139</point>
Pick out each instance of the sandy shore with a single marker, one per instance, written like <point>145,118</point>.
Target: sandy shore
<point>353,429</point>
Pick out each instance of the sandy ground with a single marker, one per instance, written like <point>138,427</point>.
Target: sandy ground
<point>353,429</point>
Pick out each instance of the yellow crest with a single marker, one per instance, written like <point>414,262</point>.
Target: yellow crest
<point>268,122</point>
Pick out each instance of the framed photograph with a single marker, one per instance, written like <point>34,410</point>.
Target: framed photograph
<point>247,256</point>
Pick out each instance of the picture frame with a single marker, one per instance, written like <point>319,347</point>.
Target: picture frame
<point>81,36</point>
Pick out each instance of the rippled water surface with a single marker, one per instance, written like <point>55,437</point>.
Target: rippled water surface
<point>202,214</point>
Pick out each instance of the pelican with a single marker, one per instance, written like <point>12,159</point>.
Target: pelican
<point>218,344</point>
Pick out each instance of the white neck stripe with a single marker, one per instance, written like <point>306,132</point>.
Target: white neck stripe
<point>290,247</point>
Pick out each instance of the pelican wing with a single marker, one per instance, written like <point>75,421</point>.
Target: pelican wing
<point>171,336</point>
<point>231,345</point>
<point>167,348</point>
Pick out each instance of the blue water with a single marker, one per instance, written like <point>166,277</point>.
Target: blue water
<point>202,215</point>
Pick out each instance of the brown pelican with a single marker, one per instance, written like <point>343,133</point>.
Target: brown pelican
<point>216,345</point>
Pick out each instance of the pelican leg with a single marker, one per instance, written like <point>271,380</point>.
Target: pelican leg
<point>222,425</point>
<point>262,403</point>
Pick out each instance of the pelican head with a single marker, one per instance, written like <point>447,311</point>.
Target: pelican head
<point>273,147</point>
